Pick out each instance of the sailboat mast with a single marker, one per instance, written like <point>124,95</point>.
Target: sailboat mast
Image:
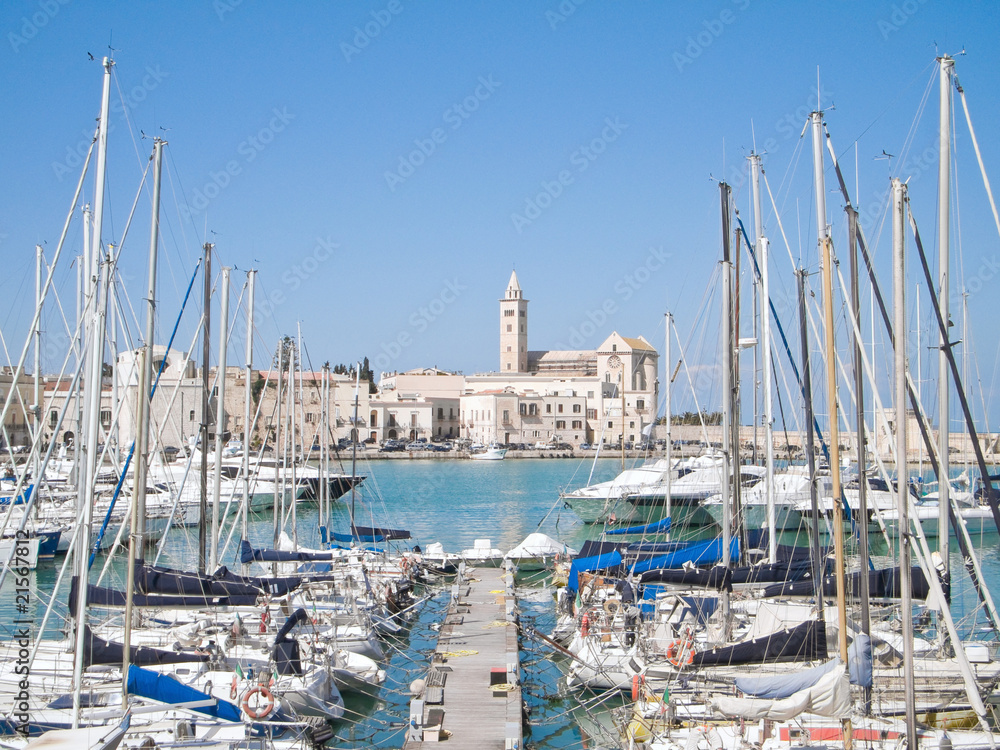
<point>147,372</point>
<point>810,446</point>
<point>902,488</point>
<point>36,407</point>
<point>859,389</point>
<point>248,404</point>
<point>727,393</point>
<point>205,341</point>
<point>295,362</point>
<point>765,335</point>
<point>279,445</point>
<point>946,68</point>
<point>220,418</point>
<point>354,444</point>
<point>92,405</point>
<point>669,319</point>
<point>138,496</point>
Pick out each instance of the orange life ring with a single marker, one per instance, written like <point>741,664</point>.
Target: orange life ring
<point>637,682</point>
<point>261,712</point>
<point>680,654</point>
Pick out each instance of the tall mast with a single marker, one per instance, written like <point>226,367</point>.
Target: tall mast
<point>354,445</point>
<point>147,372</point>
<point>294,361</point>
<point>947,67</point>
<point>859,389</point>
<point>666,387</point>
<point>765,335</point>
<point>727,393</point>
<point>247,405</point>
<point>138,498</point>
<point>279,445</point>
<point>902,490</point>
<point>36,409</point>
<point>817,558</point>
<point>92,407</point>
<point>220,418</point>
<point>205,341</point>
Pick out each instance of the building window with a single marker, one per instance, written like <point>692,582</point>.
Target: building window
<point>508,364</point>
<point>508,348</point>
<point>522,313</point>
<point>614,347</point>
<point>310,417</point>
<point>509,328</point>
<point>451,413</point>
<point>506,416</point>
<point>53,418</point>
<point>611,425</point>
<point>560,424</point>
<point>548,408</point>
<point>523,409</point>
<point>576,408</point>
<point>413,420</point>
<point>640,404</point>
<point>191,416</point>
<point>440,412</point>
<point>577,424</point>
<point>522,328</point>
<point>533,409</point>
<point>631,425</point>
<point>106,417</point>
<point>559,408</point>
<point>374,419</point>
<point>591,413</point>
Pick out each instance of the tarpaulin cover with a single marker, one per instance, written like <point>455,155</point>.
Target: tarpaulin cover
<point>248,555</point>
<point>99,596</point>
<point>584,564</point>
<point>830,697</point>
<point>882,584</point>
<point>777,686</point>
<point>859,659</point>
<point>717,577</point>
<point>151,579</point>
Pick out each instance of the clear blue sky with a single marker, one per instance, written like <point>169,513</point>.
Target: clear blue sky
<point>381,163</point>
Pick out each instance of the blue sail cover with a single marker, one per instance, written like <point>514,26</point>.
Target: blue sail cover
<point>248,555</point>
<point>371,535</point>
<point>161,687</point>
<point>699,553</point>
<point>584,564</point>
<point>660,527</point>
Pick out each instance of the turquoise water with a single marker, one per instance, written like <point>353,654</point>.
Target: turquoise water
<point>455,502</point>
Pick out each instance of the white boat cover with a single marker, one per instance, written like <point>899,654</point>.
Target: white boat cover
<point>538,545</point>
<point>830,696</point>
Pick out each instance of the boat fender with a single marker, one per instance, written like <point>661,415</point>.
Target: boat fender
<point>232,689</point>
<point>612,606</point>
<point>263,710</point>
<point>264,617</point>
<point>637,683</point>
<point>585,625</point>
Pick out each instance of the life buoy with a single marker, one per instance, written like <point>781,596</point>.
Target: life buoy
<point>637,682</point>
<point>261,711</point>
<point>584,625</point>
<point>612,606</point>
<point>680,654</point>
<point>404,564</point>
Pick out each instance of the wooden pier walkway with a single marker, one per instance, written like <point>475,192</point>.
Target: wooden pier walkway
<point>472,695</point>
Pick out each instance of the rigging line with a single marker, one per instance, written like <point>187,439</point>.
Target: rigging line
<point>889,105</point>
<point>979,156</point>
<point>124,113</point>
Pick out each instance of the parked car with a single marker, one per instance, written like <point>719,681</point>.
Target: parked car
<point>391,446</point>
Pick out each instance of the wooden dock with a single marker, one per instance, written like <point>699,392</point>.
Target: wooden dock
<point>472,692</point>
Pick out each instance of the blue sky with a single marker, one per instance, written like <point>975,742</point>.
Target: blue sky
<point>386,164</point>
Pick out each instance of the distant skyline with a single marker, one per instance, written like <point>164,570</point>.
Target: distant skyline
<point>385,165</point>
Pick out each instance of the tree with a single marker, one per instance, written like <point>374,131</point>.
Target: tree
<point>285,352</point>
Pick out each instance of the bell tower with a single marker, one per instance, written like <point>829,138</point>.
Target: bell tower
<point>513,328</point>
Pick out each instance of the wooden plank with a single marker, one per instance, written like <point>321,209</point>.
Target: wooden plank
<point>478,714</point>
